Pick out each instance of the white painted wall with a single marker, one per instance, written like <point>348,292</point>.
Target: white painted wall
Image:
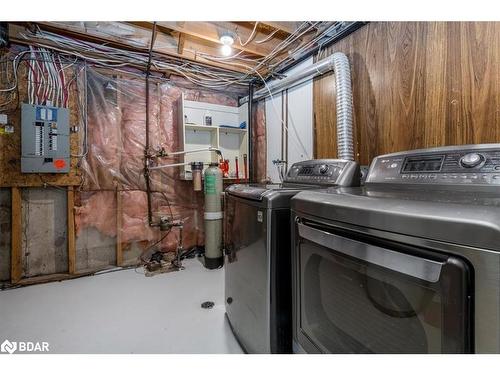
<point>300,119</point>
<point>273,135</point>
<point>300,124</point>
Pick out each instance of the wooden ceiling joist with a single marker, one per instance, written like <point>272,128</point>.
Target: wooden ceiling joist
<point>287,27</point>
<point>212,31</point>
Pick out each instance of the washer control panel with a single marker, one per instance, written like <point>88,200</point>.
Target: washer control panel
<point>453,165</point>
<point>324,172</point>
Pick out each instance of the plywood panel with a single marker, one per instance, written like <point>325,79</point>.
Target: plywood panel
<point>10,144</point>
<point>415,84</point>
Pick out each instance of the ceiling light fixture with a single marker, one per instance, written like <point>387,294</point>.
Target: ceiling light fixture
<point>226,50</point>
<point>227,41</point>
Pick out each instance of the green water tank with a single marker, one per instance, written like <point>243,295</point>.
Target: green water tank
<point>213,216</point>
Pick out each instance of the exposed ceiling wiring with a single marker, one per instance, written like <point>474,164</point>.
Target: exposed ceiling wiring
<point>112,57</point>
<point>267,38</point>
<point>209,77</point>
<point>251,36</point>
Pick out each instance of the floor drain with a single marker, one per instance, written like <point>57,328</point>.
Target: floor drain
<point>207,305</point>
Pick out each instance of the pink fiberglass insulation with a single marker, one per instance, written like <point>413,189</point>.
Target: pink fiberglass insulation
<point>259,141</point>
<point>96,209</point>
<point>133,128</point>
<point>101,166</point>
<point>116,159</point>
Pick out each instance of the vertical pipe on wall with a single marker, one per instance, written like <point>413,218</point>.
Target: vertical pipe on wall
<point>282,154</point>
<point>146,149</point>
<point>251,176</point>
<point>285,156</point>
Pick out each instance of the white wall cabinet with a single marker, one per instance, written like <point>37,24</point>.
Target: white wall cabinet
<point>195,132</point>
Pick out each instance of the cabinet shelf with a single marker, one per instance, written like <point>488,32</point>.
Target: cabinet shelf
<point>193,134</point>
<point>221,129</point>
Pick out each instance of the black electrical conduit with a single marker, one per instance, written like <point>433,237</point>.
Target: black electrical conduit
<point>251,177</point>
<point>147,155</point>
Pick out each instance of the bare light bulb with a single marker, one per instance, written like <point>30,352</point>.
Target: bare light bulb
<point>227,39</point>
<point>226,50</point>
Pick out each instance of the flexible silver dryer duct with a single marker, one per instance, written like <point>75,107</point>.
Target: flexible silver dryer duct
<point>339,63</point>
<point>345,142</point>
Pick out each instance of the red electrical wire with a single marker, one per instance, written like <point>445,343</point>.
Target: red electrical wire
<point>35,76</point>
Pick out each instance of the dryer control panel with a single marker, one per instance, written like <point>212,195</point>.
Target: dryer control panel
<point>325,172</point>
<point>452,165</point>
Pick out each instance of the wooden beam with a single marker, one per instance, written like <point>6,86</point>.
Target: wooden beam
<point>16,257</point>
<point>54,277</point>
<point>212,31</point>
<point>287,27</point>
<point>71,231</point>
<point>119,226</point>
<point>180,43</point>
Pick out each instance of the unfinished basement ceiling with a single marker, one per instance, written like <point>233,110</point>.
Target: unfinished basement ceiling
<point>260,49</point>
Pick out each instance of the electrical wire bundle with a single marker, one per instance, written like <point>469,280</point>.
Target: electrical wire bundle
<point>201,75</point>
<point>47,78</point>
<point>111,57</point>
<point>268,62</point>
<point>13,89</point>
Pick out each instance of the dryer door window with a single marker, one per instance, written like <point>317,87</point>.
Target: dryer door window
<point>361,297</point>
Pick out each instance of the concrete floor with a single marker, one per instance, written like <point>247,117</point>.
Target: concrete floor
<point>123,312</point>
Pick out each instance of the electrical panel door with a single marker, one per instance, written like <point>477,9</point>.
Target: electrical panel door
<point>44,139</point>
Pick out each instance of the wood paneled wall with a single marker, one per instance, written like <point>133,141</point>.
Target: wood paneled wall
<point>415,85</point>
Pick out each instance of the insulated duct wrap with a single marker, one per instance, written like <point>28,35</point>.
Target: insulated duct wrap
<point>345,141</point>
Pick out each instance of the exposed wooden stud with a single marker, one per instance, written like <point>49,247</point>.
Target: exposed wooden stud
<point>119,244</point>
<point>71,231</point>
<point>180,43</point>
<point>16,257</point>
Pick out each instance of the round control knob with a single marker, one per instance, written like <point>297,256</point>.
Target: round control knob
<point>323,169</point>
<point>471,160</point>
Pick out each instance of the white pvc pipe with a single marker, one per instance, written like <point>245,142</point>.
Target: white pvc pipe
<point>211,149</point>
<point>169,165</point>
<point>168,154</point>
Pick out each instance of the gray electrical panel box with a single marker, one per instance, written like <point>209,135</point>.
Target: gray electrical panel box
<point>44,139</point>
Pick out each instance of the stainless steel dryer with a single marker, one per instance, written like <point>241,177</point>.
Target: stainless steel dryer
<point>409,263</point>
<point>258,247</point>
